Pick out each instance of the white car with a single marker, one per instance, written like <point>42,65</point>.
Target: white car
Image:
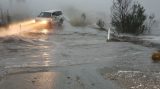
<point>51,17</point>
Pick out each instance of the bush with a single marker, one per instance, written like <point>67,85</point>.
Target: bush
<point>129,17</point>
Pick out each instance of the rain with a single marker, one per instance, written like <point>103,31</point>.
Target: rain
<point>71,44</point>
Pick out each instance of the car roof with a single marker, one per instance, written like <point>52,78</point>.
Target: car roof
<point>51,11</point>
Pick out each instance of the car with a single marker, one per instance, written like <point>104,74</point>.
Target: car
<point>51,17</point>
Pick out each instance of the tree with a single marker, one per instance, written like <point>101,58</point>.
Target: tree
<point>128,17</point>
<point>100,23</point>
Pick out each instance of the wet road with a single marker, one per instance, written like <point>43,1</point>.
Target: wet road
<point>75,58</point>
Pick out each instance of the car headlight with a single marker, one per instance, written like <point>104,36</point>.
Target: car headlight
<point>44,31</point>
<point>44,22</point>
<point>34,21</point>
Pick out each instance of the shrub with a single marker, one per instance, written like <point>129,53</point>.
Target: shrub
<point>129,17</point>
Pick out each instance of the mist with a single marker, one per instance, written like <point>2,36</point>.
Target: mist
<point>20,9</point>
<point>34,7</point>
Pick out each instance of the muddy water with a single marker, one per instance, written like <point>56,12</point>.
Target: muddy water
<point>54,49</point>
<point>74,58</point>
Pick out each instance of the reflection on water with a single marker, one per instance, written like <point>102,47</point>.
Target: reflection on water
<point>29,49</point>
<point>25,44</point>
<point>46,57</point>
<point>42,80</point>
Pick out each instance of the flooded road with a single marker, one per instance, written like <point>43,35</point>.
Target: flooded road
<point>75,58</point>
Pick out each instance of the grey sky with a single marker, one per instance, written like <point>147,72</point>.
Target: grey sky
<point>101,5</point>
<point>35,6</point>
<point>95,9</point>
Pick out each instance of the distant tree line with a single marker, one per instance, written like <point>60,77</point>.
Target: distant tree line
<point>130,17</point>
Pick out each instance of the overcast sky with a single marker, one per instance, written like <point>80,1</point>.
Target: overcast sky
<point>91,7</point>
<point>151,6</point>
<point>34,7</point>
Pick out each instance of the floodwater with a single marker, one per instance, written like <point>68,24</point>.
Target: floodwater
<point>75,58</point>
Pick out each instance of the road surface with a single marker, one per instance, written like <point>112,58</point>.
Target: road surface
<point>75,58</point>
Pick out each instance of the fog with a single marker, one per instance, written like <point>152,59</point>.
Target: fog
<point>152,6</point>
<point>92,8</point>
<point>34,7</point>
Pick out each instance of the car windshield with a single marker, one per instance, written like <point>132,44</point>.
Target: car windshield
<point>45,14</point>
<point>57,13</point>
